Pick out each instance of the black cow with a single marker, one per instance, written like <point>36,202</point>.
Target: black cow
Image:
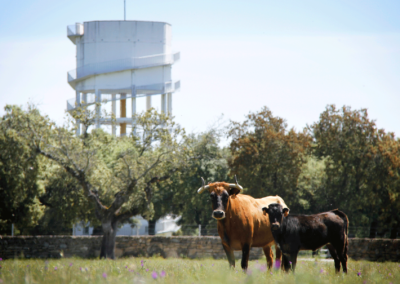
<point>309,232</point>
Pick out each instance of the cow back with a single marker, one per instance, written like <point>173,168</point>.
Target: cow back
<point>245,222</point>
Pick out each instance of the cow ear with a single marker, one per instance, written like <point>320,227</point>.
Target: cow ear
<point>265,210</point>
<point>285,211</point>
<point>233,191</point>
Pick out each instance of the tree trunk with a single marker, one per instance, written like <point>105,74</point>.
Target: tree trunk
<point>394,232</point>
<point>152,227</point>
<point>109,237</point>
<point>373,229</point>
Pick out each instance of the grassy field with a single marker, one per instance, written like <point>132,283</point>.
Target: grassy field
<point>158,270</point>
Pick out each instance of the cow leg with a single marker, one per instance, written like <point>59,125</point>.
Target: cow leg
<point>344,257</point>
<point>245,256</point>
<point>278,257</point>
<point>293,259</point>
<point>269,255</point>
<point>286,263</point>
<point>229,255</point>
<point>335,257</point>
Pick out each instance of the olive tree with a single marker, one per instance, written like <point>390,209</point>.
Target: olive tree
<point>115,174</point>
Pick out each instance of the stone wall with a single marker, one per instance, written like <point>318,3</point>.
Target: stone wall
<point>191,247</point>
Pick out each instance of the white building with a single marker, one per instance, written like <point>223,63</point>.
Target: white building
<point>121,60</point>
<point>165,226</point>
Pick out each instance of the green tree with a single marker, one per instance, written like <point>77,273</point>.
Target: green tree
<point>267,157</point>
<point>20,169</point>
<point>65,203</point>
<point>109,170</point>
<point>178,195</point>
<point>209,162</point>
<point>361,166</point>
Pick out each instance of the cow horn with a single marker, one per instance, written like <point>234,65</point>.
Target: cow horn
<point>204,187</point>
<point>236,185</point>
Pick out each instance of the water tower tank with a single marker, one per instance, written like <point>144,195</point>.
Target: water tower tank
<point>120,60</point>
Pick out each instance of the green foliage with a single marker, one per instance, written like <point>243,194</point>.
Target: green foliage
<point>180,197</point>
<point>267,157</point>
<point>19,176</point>
<point>65,203</point>
<point>361,166</point>
<point>50,178</point>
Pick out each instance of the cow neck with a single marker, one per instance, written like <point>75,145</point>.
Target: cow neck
<point>226,222</point>
<point>279,233</point>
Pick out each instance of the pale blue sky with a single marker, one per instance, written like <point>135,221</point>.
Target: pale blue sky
<point>236,56</point>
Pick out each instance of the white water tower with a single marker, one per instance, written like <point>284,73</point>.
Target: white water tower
<point>121,60</point>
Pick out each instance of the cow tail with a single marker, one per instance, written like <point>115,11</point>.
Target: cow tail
<point>346,227</point>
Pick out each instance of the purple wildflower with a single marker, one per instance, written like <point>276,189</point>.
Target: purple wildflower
<point>249,272</point>
<point>262,268</point>
<point>154,275</point>
<point>358,274</point>
<point>70,264</point>
<point>257,261</point>
<point>27,265</point>
<point>390,274</point>
<point>105,275</point>
<point>271,273</point>
<point>1,259</point>
<point>162,274</point>
<point>80,268</point>
<point>277,264</point>
<point>290,262</point>
<point>147,270</point>
<point>86,269</point>
<point>141,263</point>
<point>55,268</point>
<point>212,264</point>
<point>126,266</point>
<point>1,281</point>
<point>321,271</point>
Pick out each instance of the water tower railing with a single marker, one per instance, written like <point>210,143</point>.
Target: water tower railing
<point>142,91</point>
<point>122,64</point>
<point>75,30</point>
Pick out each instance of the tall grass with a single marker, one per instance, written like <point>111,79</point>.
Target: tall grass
<point>158,270</point>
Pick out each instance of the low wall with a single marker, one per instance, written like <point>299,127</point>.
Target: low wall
<point>191,247</point>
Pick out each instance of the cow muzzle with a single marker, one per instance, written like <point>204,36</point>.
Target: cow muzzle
<point>275,226</point>
<point>218,215</point>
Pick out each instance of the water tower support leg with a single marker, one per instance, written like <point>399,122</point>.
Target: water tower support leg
<point>164,103</point>
<point>148,102</point>
<point>169,103</point>
<point>114,113</point>
<point>78,122</point>
<point>84,101</point>
<point>133,108</point>
<point>98,108</point>
<point>123,114</point>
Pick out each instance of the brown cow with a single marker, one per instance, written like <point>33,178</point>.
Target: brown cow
<point>241,223</point>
